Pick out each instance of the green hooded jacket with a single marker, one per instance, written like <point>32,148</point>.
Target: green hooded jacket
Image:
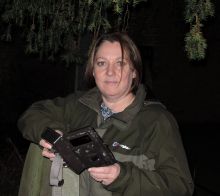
<point>149,147</point>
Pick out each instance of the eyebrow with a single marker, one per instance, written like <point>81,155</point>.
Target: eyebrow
<point>118,58</point>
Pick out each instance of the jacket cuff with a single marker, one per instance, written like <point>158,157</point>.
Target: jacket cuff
<point>121,181</point>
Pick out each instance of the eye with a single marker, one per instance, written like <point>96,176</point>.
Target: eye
<point>121,63</point>
<point>100,63</point>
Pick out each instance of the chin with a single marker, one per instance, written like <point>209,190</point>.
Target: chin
<point>109,93</point>
<point>109,90</point>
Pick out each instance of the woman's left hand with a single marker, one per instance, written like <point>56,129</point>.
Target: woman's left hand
<point>106,175</point>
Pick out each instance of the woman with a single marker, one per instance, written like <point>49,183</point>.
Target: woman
<point>143,136</point>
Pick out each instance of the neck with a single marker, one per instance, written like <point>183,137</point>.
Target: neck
<point>118,105</point>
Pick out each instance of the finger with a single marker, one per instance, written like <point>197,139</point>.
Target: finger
<point>52,158</point>
<point>60,132</point>
<point>102,180</point>
<point>101,170</point>
<point>100,176</point>
<point>98,179</point>
<point>47,153</point>
<point>105,174</point>
<point>45,144</point>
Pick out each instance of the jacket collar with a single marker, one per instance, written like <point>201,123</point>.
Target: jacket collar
<point>93,100</point>
<point>130,112</point>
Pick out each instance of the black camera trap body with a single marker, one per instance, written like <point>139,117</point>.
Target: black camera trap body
<point>80,149</point>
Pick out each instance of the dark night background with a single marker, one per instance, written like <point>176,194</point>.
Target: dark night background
<point>190,90</point>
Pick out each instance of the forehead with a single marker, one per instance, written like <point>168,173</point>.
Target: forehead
<point>108,48</point>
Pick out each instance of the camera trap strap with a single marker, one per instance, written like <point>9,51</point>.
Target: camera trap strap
<point>56,175</point>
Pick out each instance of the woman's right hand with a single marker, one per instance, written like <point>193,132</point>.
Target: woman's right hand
<point>47,147</point>
<point>46,152</point>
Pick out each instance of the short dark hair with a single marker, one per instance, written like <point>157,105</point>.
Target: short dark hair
<point>126,45</point>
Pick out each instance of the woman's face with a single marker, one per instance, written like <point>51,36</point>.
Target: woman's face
<point>113,75</point>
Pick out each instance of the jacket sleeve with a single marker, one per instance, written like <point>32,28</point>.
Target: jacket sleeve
<point>170,175</point>
<point>42,114</point>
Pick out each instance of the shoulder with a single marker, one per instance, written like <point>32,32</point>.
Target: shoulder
<point>83,101</point>
<point>154,107</point>
<point>68,99</point>
<point>156,113</point>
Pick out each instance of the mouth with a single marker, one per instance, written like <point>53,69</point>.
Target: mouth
<point>111,82</point>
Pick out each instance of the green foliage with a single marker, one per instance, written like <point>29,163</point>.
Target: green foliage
<point>56,27</point>
<point>196,11</point>
<point>195,44</point>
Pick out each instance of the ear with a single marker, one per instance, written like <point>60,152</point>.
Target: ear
<point>134,74</point>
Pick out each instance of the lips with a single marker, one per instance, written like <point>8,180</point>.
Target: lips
<point>111,82</point>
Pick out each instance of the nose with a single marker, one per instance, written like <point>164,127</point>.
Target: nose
<point>110,69</point>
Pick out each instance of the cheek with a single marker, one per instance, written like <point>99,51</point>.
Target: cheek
<point>98,76</point>
<point>95,73</point>
<point>130,76</point>
<point>127,79</point>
